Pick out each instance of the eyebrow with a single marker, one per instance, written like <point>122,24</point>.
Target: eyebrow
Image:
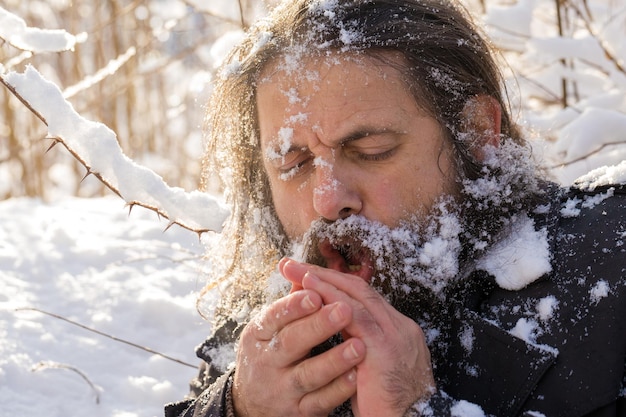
<point>362,133</point>
<point>356,134</point>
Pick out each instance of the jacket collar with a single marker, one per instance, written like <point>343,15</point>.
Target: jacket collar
<point>490,367</point>
<point>483,363</point>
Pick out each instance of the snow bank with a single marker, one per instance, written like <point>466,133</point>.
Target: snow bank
<point>86,260</point>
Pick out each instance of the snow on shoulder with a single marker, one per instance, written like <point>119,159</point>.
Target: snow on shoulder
<point>96,146</point>
<point>520,258</point>
<point>603,176</point>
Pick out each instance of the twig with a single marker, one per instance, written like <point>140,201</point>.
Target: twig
<point>117,339</point>
<point>96,174</point>
<point>208,13</point>
<point>243,22</point>
<point>559,20</point>
<point>56,365</point>
<point>583,157</point>
<point>24,102</point>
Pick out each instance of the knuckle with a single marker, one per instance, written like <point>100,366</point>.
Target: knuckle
<point>321,325</point>
<point>266,323</point>
<point>300,379</point>
<point>315,407</point>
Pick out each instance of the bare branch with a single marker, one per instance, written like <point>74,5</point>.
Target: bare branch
<point>117,339</point>
<point>583,157</point>
<point>56,365</point>
<point>559,19</point>
<point>609,55</point>
<point>243,22</point>
<point>217,16</point>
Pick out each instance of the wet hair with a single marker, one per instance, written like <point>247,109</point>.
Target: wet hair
<point>446,62</point>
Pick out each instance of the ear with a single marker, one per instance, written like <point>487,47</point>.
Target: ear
<point>481,123</point>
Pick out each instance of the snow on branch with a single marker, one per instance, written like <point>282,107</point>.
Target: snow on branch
<point>14,30</point>
<point>109,69</point>
<point>96,147</point>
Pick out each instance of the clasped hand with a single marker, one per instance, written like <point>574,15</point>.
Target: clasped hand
<point>382,366</point>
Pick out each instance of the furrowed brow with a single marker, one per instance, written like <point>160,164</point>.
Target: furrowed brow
<point>362,133</point>
<point>275,151</point>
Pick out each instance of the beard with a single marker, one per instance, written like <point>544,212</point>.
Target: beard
<point>421,266</point>
<point>424,267</point>
<point>410,265</point>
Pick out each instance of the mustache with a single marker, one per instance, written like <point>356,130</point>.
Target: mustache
<point>417,255</point>
<point>348,236</point>
<point>397,257</point>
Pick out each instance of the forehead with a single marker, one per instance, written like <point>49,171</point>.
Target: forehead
<point>322,92</point>
<point>311,73</point>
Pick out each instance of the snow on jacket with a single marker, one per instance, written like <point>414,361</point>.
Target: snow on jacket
<point>554,348</point>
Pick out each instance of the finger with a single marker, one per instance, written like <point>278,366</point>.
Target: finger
<point>348,284</point>
<point>368,316</point>
<point>333,290</point>
<point>294,271</point>
<point>323,401</point>
<point>279,314</point>
<point>295,288</point>
<point>296,340</point>
<point>289,269</point>
<point>321,370</point>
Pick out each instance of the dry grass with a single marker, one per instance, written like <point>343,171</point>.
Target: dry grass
<point>153,102</point>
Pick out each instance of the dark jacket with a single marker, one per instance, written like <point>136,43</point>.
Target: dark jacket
<point>555,348</point>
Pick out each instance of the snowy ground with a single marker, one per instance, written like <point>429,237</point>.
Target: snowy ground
<point>90,262</point>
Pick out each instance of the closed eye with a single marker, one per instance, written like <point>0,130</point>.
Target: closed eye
<point>293,164</point>
<point>380,156</point>
<point>376,147</point>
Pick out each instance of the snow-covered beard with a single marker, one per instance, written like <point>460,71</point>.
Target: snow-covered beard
<point>421,264</point>
<point>417,265</point>
<point>411,264</point>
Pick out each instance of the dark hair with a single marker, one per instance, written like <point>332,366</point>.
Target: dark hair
<point>446,63</point>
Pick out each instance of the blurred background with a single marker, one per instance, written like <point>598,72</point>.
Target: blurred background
<point>145,66</point>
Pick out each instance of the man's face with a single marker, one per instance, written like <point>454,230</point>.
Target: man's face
<point>343,136</point>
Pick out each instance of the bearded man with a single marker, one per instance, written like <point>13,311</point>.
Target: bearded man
<point>393,250</point>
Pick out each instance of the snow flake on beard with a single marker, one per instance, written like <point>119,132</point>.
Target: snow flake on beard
<point>416,257</point>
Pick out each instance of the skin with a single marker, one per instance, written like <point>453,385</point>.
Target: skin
<point>351,140</point>
<point>357,134</point>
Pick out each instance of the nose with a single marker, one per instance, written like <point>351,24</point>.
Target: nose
<point>335,196</point>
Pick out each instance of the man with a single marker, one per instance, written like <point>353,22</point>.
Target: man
<point>439,274</point>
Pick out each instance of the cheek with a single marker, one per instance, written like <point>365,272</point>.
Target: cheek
<point>294,209</point>
<point>404,194</point>
<point>388,201</point>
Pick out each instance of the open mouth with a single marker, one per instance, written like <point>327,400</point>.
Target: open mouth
<point>347,257</point>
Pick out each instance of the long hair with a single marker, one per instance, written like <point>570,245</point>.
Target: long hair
<point>446,63</point>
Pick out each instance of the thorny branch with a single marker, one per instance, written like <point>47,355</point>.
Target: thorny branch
<point>56,140</point>
<point>23,100</point>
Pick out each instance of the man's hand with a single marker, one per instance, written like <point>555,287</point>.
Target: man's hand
<point>397,370</point>
<point>275,375</point>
